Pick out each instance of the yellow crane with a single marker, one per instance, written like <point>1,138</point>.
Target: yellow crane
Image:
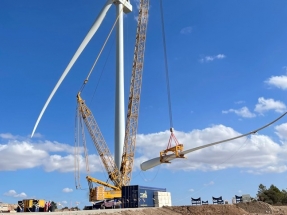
<point>119,176</point>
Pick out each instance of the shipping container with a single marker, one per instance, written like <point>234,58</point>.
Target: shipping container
<point>135,196</point>
<point>28,205</point>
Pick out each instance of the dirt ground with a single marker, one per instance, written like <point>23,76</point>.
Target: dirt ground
<point>254,208</point>
<point>251,208</point>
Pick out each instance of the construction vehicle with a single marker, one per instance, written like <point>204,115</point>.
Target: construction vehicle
<point>119,177</point>
<point>31,205</point>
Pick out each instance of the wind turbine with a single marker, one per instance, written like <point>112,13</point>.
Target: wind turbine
<point>121,6</point>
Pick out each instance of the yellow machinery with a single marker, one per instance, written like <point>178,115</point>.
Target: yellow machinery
<point>29,205</point>
<point>176,150</point>
<point>119,176</point>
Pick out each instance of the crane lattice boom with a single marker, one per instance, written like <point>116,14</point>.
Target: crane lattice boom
<point>134,95</point>
<point>99,142</point>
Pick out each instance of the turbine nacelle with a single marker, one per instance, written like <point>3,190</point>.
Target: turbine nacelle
<point>127,7</point>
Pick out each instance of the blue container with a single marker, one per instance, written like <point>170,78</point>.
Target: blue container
<point>135,196</point>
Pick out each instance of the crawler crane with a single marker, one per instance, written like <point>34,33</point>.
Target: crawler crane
<point>119,176</point>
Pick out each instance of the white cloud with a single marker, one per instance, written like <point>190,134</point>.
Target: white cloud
<point>239,102</point>
<point>243,112</point>
<point>278,81</point>
<point>191,190</point>
<point>269,104</point>
<point>137,3</point>
<point>37,135</point>
<point>10,193</point>
<point>21,195</point>
<point>51,156</point>
<point>67,163</point>
<point>281,131</point>
<point>67,190</point>
<point>209,58</point>
<point>8,136</point>
<point>209,184</point>
<point>212,58</point>
<point>14,153</point>
<point>55,146</point>
<point>14,194</point>
<point>64,202</point>
<point>256,153</point>
<point>186,30</point>
<point>220,56</point>
<point>269,169</point>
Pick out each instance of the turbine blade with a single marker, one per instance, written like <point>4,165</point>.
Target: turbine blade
<point>88,37</point>
<point>156,161</point>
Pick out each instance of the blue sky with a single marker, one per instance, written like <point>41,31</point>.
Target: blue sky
<point>228,76</point>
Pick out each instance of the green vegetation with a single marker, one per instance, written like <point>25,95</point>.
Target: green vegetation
<point>272,196</point>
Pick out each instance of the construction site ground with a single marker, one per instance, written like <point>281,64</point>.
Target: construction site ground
<point>250,208</point>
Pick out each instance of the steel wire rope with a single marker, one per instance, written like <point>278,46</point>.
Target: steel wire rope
<point>102,73</point>
<point>106,64</point>
<point>97,58</point>
<point>85,146</point>
<point>79,126</point>
<point>76,152</point>
<point>149,180</point>
<point>166,65</point>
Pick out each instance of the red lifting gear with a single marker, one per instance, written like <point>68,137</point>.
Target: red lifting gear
<point>177,149</point>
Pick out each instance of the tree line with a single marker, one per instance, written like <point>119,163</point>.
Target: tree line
<point>272,195</point>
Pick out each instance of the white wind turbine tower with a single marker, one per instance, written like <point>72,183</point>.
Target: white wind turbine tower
<point>121,6</point>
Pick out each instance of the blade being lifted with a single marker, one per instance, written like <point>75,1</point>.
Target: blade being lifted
<point>156,161</point>
<point>88,37</point>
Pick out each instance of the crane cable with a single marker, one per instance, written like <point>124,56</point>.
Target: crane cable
<point>76,152</point>
<point>103,69</point>
<point>91,70</point>
<point>79,128</point>
<point>166,67</point>
<point>172,136</point>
